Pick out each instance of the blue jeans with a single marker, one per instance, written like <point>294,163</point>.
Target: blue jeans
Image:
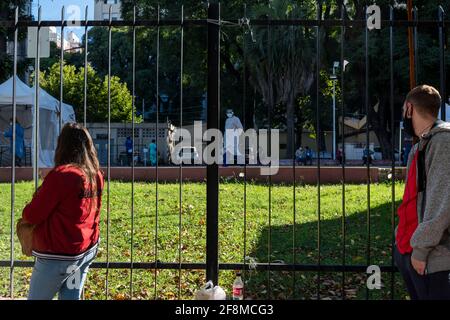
<point>66,278</point>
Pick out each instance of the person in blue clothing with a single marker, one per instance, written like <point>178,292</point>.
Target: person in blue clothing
<point>300,155</point>
<point>367,156</point>
<point>153,153</point>
<point>406,150</point>
<point>129,148</point>
<point>308,154</point>
<point>20,144</point>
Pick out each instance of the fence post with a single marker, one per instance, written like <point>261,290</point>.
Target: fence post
<point>442,63</point>
<point>212,170</point>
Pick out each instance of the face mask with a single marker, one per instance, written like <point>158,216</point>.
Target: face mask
<point>229,115</point>
<point>408,126</point>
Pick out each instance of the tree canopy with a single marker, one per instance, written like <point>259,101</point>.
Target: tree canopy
<point>281,62</point>
<point>7,12</point>
<point>276,66</point>
<point>97,93</point>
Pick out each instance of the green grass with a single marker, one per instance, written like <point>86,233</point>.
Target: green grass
<point>259,284</point>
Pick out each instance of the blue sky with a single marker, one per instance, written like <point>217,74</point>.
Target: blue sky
<point>51,10</point>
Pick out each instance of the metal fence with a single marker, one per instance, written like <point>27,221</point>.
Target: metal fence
<point>214,24</point>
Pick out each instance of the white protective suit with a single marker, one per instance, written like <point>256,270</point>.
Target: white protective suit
<point>233,129</point>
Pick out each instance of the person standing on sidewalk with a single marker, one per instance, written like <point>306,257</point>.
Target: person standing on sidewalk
<point>422,250</point>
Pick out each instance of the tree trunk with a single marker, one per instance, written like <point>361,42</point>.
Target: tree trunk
<point>322,144</point>
<point>379,124</point>
<point>249,99</point>
<point>320,139</point>
<point>384,137</point>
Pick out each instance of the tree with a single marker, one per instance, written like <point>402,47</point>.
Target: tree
<point>7,13</point>
<point>282,69</point>
<point>276,73</point>
<point>281,74</point>
<point>97,89</point>
<point>70,58</point>
<point>379,65</point>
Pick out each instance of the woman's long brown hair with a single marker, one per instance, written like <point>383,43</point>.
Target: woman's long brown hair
<point>75,147</point>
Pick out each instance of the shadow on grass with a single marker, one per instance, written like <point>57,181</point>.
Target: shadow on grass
<point>299,245</point>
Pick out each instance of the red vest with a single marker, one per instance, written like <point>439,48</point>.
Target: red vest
<point>407,212</point>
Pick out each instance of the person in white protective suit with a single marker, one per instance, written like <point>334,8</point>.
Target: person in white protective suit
<point>233,129</point>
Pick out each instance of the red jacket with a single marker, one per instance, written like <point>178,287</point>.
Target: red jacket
<point>65,212</point>
<point>407,212</point>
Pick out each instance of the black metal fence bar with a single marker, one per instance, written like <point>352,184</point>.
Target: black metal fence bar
<point>157,150</point>
<point>343,155</point>
<point>133,120</point>
<point>205,22</point>
<point>366,103</point>
<point>108,194</point>
<point>213,23</point>
<point>391,103</point>
<point>318,54</point>
<point>221,266</point>
<point>244,103</point>
<point>212,170</point>
<point>86,35</point>
<point>61,73</point>
<point>416,45</point>
<point>442,60</point>
<point>36,105</point>
<point>294,185</point>
<point>269,113</point>
<point>181,162</point>
<point>13,164</point>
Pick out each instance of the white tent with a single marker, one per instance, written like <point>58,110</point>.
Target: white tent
<point>48,117</point>
<point>68,114</point>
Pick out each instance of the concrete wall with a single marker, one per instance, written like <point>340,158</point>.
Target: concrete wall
<point>303,175</point>
<point>144,134</point>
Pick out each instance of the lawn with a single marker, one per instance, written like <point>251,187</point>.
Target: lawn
<point>259,216</point>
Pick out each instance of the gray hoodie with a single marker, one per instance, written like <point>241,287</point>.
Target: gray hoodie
<point>431,240</point>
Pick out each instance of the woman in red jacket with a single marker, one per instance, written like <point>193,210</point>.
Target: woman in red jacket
<point>65,211</point>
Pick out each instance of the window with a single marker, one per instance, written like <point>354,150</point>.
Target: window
<point>148,133</point>
<point>127,132</point>
<point>114,16</point>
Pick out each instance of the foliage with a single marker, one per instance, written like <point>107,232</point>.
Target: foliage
<point>280,69</point>
<point>97,89</point>
<point>272,77</point>
<point>70,58</point>
<point>379,64</point>
<point>7,12</point>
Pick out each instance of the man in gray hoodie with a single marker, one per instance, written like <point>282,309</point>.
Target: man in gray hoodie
<point>422,251</point>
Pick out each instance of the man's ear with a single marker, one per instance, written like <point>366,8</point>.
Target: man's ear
<point>409,109</point>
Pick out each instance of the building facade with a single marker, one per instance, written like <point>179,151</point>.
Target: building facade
<point>144,134</point>
<point>101,9</point>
